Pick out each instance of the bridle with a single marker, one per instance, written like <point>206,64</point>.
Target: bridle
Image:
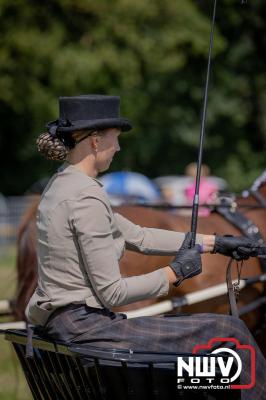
<point>233,289</point>
<point>254,190</point>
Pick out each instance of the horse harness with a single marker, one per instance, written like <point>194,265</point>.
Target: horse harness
<point>228,209</point>
<point>254,190</point>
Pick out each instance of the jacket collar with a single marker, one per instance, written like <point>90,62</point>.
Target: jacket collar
<point>66,166</point>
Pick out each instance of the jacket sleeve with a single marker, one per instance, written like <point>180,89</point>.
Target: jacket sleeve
<point>150,240</point>
<point>92,226</point>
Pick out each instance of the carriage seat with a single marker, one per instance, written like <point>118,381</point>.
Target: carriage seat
<point>57,371</point>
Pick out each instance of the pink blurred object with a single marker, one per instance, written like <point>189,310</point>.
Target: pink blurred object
<point>207,191</point>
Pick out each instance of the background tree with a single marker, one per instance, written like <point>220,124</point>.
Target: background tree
<point>153,54</point>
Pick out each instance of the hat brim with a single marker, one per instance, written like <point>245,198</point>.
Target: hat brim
<point>121,123</point>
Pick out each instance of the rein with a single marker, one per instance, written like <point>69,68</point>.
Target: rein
<point>225,202</point>
<point>189,207</point>
<point>233,289</point>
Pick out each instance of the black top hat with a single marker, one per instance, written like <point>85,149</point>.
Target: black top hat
<point>90,111</point>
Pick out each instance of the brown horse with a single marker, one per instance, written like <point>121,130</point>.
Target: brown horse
<point>214,266</point>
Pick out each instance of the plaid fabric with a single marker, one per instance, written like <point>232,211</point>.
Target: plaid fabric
<point>180,333</point>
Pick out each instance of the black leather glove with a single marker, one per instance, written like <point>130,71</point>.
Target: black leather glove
<point>187,262</point>
<point>245,252</point>
<point>237,247</point>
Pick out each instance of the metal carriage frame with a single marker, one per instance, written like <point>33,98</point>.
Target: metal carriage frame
<point>60,372</point>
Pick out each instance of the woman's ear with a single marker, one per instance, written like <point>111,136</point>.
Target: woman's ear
<point>94,142</point>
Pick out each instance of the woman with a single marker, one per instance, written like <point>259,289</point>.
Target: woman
<point>80,242</point>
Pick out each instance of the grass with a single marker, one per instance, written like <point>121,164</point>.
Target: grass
<point>13,385</point>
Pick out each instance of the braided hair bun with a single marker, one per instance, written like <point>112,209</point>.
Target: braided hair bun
<point>52,147</point>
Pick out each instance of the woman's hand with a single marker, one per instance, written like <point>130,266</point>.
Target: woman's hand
<point>187,262</point>
<point>237,247</point>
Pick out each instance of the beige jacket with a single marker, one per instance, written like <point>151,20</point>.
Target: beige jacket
<point>80,243</point>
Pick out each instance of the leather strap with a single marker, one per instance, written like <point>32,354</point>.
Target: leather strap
<point>231,291</point>
<point>29,347</point>
<point>245,225</point>
<point>260,199</point>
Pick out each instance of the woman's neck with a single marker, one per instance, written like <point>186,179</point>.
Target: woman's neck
<point>84,166</point>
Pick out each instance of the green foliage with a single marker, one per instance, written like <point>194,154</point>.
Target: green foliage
<point>152,54</point>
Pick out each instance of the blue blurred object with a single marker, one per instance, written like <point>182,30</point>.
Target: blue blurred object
<point>126,186</point>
